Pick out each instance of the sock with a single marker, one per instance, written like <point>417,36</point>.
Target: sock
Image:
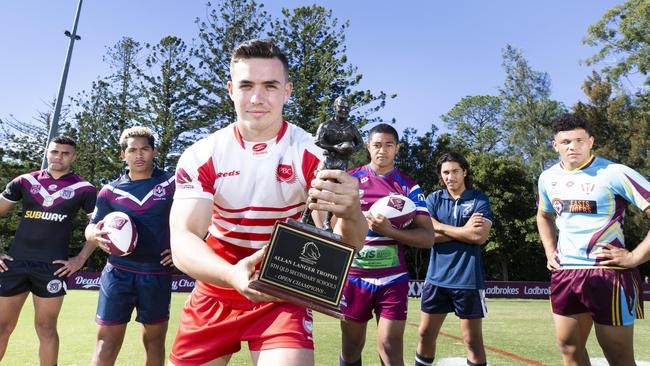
<point>470,363</point>
<point>423,361</point>
<point>343,363</point>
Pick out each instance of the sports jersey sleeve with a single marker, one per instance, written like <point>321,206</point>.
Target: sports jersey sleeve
<point>483,206</point>
<point>102,206</point>
<point>431,203</point>
<point>544,202</point>
<point>13,192</point>
<point>311,158</point>
<point>90,199</point>
<point>632,186</point>
<point>416,195</point>
<point>195,172</point>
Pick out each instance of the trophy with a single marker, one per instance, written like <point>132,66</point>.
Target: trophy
<point>305,264</point>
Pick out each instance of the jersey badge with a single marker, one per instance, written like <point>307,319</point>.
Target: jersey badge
<point>587,187</point>
<point>67,193</point>
<point>52,187</point>
<point>35,189</point>
<point>260,148</point>
<point>159,191</point>
<point>183,180</point>
<point>48,201</point>
<point>557,206</point>
<point>286,173</point>
<point>54,286</point>
<point>467,209</point>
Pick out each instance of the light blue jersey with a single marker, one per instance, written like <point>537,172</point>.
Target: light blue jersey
<point>589,203</point>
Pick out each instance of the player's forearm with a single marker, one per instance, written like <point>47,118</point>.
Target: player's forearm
<point>353,230</point>
<point>86,250</point>
<point>461,233</point>
<point>641,253</point>
<point>192,256</point>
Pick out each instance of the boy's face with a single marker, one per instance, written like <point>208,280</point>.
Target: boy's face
<point>259,90</point>
<point>574,147</point>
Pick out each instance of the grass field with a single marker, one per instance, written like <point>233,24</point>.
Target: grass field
<point>515,331</point>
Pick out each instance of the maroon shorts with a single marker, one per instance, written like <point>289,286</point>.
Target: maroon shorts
<point>212,327</point>
<point>361,298</point>
<point>611,296</point>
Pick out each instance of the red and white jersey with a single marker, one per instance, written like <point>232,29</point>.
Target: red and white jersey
<point>252,184</point>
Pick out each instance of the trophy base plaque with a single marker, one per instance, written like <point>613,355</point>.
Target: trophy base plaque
<point>305,265</point>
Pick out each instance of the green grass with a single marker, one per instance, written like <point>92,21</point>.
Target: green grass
<point>521,327</point>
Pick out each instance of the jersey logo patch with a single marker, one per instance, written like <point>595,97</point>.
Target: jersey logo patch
<point>587,187</point>
<point>286,173</point>
<point>67,193</point>
<point>35,188</point>
<point>259,148</point>
<point>575,206</point>
<point>159,191</point>
<point>54,286</point>
<point>182,177</point>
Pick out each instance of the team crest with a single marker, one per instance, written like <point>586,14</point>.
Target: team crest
<point>54,286</point>
<point>558,206</point>
<point>35,188</point>
<point>67,193</point>
<point>467,209</point>
<point>286,173</point>
<point>159,191</point>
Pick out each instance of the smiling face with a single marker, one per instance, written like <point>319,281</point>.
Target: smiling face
<point>382,148</point>
<point>259,89</point>
<point>138,156</point>
<point>453,175</point>
<point>574,147</point>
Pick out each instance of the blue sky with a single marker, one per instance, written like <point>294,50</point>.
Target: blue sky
<point>431,53</point>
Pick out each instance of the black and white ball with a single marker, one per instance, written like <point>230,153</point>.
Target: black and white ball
<point>398,209</point>
<point>122,235</point>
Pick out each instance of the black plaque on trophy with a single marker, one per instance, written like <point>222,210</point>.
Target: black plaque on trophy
<point>305,265</point>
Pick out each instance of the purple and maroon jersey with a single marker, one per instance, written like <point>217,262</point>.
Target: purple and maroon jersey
<point>147,202</point>
<point>589,203</point>
<point>49,208</point>
<point>383,256</point>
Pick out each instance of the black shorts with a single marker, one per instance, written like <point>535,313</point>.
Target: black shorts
<point>37,277</point>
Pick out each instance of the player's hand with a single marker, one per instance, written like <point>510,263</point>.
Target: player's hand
<point>475,221</point>
<point>3,265</point>
<point>551,262</point>
<point>337,192</point>
<point>611,255</point>
<point>97,237</point>
<point>167,258</point>
<point>379,224</point>
<point>70,266</point>
<point>244,272</point>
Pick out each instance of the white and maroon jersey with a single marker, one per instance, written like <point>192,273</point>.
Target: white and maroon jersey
<point>251,184</point>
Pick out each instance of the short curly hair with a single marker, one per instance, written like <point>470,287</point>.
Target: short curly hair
<point>136,131</point>
<point>568,122</point>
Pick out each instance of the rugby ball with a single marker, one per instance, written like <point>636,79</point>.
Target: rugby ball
<point>122,233</point>
<point>398,209</point>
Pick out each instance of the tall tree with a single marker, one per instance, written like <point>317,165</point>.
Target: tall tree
<point>314,42</point>
<point>124,58</point>
<point>623,34</point>
<point>226,25</point>
<point>529,110</point>
<point>476,122</point>
<point>170,95</point>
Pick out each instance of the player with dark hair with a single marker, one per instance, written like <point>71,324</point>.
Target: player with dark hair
<point>378,279</point>
<point>455,281</point>
<point>594,281</point>
<point>232,187</point>
<point>141,279</point>
<point>38,259</point>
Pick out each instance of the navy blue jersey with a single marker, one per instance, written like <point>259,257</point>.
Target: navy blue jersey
<point>49,208</point>
<point>455,264</point>
<point>147,202</point>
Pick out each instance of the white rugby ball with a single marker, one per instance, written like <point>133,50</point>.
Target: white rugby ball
<point>398,209</point>
<point>122,233</point>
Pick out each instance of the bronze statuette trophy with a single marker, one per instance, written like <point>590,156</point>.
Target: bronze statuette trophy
<point>305,264</point>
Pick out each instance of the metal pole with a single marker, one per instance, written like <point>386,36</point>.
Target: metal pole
<point>54,126</point>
